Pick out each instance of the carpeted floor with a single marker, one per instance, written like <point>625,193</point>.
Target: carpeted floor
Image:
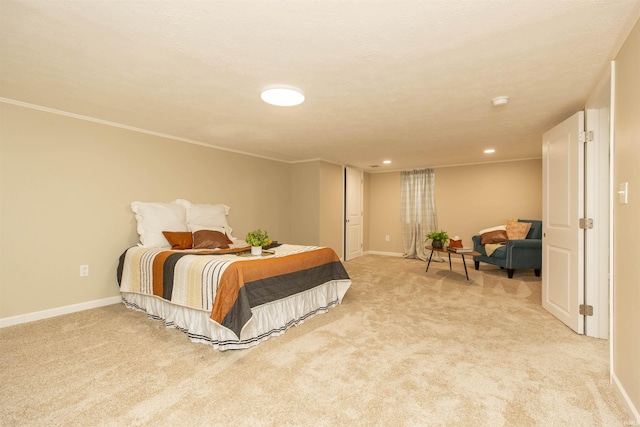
<point>404,348</point>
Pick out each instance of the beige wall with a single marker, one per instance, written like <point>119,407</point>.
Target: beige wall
<point>317,204</point>
<point>331,207</point>
<point>626,219</point>
<point>305,203</point>
<point>384,213</point>
<point>468,199</point>
<point>366,208</point>
<point>65,191</point>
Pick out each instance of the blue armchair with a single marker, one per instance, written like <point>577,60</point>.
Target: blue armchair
<point>516,254</point>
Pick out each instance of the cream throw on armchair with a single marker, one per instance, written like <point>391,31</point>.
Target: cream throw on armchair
<point>490,248</point>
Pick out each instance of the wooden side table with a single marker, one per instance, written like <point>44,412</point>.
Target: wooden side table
<point>444,251</point>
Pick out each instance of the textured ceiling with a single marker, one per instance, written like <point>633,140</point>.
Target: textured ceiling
<point>409,81</point>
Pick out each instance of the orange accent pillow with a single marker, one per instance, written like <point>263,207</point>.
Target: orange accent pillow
<point>517,230</point>
<point>495,236</point>
<point>209,239</point>
<point>179,239</point>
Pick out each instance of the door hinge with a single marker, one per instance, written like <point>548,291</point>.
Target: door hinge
<point>586,310</point>
<point>586,223</point>
<point>584,137</point>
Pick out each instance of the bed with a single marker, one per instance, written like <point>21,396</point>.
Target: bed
<point>223,296</point>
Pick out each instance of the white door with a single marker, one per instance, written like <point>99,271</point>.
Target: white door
<point>353,214</point>
<point>597,121</point>
<point>562,208</point>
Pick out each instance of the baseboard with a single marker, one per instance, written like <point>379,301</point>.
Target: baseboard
<point>394,254</point>
<point>58,311</point>
<point>631,409</point>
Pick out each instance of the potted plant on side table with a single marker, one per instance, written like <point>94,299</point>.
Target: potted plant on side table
<point>439,239</point>
<point>257,239</point>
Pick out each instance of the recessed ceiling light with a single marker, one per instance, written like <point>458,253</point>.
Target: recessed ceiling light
<point>282,96</point>
<point>489,151</point>
<point>500,100</point>
<point>386,162</point>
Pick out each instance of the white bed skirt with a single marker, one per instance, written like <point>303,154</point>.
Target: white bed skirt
<point>268,320</point>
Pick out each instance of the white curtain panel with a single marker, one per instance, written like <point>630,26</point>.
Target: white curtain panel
<point>418,211</point>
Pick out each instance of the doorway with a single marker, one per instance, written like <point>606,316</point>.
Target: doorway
<point>353,193</point>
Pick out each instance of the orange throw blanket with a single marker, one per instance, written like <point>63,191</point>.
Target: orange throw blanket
<point>248,284</point>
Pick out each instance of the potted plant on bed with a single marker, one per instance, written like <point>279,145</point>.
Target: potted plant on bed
<point>257,239</point>
<point>439,239</point>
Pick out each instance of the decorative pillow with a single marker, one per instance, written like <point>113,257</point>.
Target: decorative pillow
<point>497,227</point>
<point>535,232</point>
<point>179,239</point>
<point>209,239</point>
<point>153,218</point>
<point>206,216</point>
<point>223,230</point>
<point>517,230</point>
<point>495,236</point>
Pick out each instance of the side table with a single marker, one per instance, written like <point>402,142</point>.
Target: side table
<point>444,251</point>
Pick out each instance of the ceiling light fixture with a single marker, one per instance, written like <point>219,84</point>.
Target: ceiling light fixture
<point>489,151</point>
<point>386,162</point>
<point>501,100</point>
<point>282,96</point>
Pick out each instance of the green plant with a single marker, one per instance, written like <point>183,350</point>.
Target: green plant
<point>258,238</point>
<point>440,236</point>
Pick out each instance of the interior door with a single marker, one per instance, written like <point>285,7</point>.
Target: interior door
<point>353,213</point>
<point>562,208</point>
<point>597,124</point>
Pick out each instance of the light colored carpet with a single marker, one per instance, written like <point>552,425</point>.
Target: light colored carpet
<point>404,348</point>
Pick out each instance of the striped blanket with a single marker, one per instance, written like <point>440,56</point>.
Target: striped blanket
<point>227,286</point>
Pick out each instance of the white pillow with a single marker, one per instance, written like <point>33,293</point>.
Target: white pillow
<point>497,227</point>
<point>154,218</point>
<point>196,227</point>
<point>206,217</point>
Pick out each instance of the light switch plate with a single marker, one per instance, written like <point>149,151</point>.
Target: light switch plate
<point>623,193</point>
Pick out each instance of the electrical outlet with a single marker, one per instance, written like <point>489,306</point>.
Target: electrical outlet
<point>387,238</point>
<point>84,270</point>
